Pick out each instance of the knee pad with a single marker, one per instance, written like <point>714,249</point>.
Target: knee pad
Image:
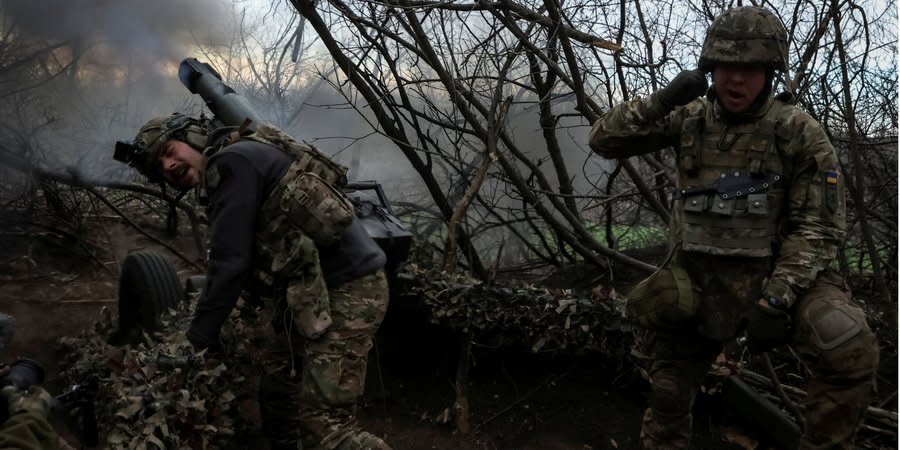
<point>831,326</point>
<point>845,343</point>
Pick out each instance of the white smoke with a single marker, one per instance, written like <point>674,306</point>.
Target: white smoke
<point>159,28</point>
<point>112,67</point>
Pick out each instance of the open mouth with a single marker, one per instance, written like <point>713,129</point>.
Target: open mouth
<point>181,172</point>
<point>734,96</point>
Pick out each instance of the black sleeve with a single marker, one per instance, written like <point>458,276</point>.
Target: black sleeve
<point>233,205</point>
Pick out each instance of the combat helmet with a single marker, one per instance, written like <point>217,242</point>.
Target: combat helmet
<point>746,34</point>
<point>143,152</point>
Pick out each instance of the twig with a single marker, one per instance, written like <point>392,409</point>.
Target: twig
<point>888,418</point>
<point>887,399</point>
<point>762,380</point>
<point>459,213</point>
<point>172,249</point>
<point>773,377</point>
<point>892,433</point>
<point>86,301</point>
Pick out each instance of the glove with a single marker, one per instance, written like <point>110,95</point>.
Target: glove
<point>33,399</point>
<point>684,88</point>
<point>767,327</point>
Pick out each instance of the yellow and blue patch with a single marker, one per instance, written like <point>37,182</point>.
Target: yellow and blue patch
<point>831,178</point>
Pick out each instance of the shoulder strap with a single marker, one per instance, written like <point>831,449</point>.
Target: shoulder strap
<point>765,131</point>
<point>306,156</point>
<point>757,154</point>
<point>238,133</point>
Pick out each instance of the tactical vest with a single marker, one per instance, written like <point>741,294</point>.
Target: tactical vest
<point>306,207</point>
<point>731,190</point>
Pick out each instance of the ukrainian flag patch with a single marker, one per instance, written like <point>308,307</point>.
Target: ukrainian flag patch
<point>831,177</point>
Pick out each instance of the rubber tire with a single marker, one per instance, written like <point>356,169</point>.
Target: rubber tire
<point>148,286</point>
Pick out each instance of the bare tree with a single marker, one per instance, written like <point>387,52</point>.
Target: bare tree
<point>427,72</point>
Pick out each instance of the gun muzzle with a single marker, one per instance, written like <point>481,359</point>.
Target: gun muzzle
<point>228,106</point>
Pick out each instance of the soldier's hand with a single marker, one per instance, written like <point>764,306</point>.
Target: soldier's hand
<point>33,399</point>
<point>767,327</point>
<point>684,88</point>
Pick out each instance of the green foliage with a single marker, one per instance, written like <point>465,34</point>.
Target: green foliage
<point>632,236</point>
<point>859,260</point>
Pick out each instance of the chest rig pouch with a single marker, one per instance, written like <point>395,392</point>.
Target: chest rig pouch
<point>312,205</point>
<point>730,193</point>
<point>309,194</point>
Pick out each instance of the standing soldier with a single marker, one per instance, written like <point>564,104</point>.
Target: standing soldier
<point>757,219</point>
<point>276,211</point>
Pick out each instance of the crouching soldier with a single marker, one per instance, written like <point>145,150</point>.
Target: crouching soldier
<point>758,217</point>
<point>276,211</point>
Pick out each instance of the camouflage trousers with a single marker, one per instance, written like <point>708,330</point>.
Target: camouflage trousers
<point>310,387</point>
<point>830,334</point>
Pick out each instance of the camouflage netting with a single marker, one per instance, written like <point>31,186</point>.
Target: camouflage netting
<point>541,319</point>
<point>157,394</point>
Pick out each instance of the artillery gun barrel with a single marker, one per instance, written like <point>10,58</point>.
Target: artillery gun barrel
<point>228,106</point>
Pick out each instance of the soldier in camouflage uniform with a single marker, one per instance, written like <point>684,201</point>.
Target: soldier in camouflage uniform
<point>330,292</point>
<point>757,219</point>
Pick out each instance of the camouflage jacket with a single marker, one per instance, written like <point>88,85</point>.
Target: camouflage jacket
<point>809,217</point>
<point>245,240</point>
<point>26,431</point>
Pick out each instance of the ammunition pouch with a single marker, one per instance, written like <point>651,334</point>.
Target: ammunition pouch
<point>283,250</point>
<point>312,205</point>
<point>664,301</point>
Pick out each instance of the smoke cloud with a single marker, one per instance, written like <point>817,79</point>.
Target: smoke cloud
<point>160,28</point>
<point>112,68</point>
<point>125,73</point>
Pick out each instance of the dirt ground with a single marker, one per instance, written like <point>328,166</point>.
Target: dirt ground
<point>519,400</point>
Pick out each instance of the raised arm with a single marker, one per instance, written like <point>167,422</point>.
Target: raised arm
<point>646,124</point>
